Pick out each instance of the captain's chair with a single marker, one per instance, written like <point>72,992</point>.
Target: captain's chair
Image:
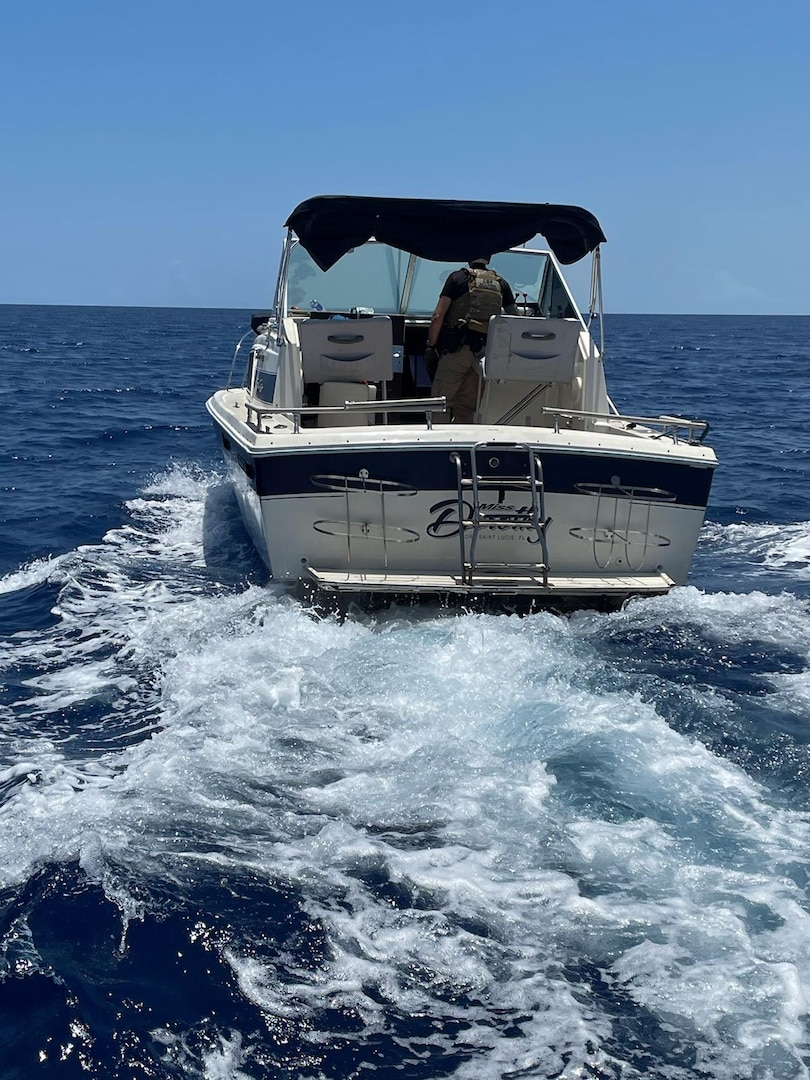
<point>529,350</point>
<point>347,358</point>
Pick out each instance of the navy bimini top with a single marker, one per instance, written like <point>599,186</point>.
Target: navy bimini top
<point>444,230</point>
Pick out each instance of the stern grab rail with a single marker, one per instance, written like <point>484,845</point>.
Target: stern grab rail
<point>257,413</point>
<point>698,429</point>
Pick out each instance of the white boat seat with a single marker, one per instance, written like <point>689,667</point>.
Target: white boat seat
<point>347,350</point>
<point>337,394</point>
<point>533,350</point>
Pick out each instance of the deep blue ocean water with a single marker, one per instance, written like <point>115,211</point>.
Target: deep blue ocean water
<point>240,841</point>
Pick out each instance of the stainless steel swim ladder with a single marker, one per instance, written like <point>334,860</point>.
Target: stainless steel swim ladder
<point>475,515</point>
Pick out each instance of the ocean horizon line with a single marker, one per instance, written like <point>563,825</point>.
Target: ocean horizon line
<point>263,307</point>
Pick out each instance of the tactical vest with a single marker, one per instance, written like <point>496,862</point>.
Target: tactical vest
<point>482,300</point>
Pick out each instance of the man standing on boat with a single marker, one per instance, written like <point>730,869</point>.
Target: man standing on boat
<point>458,333</point>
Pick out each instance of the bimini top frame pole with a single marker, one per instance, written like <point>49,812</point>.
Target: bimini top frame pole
<point>595,302</point>
<point>280,302</point>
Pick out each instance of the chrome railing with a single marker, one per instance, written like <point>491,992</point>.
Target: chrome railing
<point>670,426</point>
<point>256,414</point>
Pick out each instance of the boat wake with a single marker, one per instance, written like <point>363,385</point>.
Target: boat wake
<point>768,548</point>
<point>447,844</point>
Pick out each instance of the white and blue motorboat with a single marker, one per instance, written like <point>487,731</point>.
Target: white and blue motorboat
<point>352,482</point>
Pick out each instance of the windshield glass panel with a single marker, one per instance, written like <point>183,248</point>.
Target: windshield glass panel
<point>555,301</point>
<point>523,270</point>
<point>373,276</point>
<point>369,276</point>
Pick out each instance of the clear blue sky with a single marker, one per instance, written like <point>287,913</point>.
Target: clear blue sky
<point>152,151</point>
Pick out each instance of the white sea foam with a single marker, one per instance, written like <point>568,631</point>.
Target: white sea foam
<point>220,1061</point>
<point>476,822</point>
<point>35,573</point>
<point>780,549</point>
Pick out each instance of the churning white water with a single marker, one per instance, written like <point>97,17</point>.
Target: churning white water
<point>495,823</point>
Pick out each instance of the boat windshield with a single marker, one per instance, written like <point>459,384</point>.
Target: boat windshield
<point>377,276</point>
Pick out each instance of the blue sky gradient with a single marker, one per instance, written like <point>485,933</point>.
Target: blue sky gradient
<point>152,152</point>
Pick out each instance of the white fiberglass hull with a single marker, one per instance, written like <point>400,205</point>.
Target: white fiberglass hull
<point>379,508</point>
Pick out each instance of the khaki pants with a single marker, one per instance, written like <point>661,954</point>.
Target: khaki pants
<point>457,380</point>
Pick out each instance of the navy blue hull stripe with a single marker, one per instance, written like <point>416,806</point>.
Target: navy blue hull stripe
<point>430,469</point>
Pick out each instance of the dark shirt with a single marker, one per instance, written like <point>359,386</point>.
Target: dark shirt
<point>457,284</point>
